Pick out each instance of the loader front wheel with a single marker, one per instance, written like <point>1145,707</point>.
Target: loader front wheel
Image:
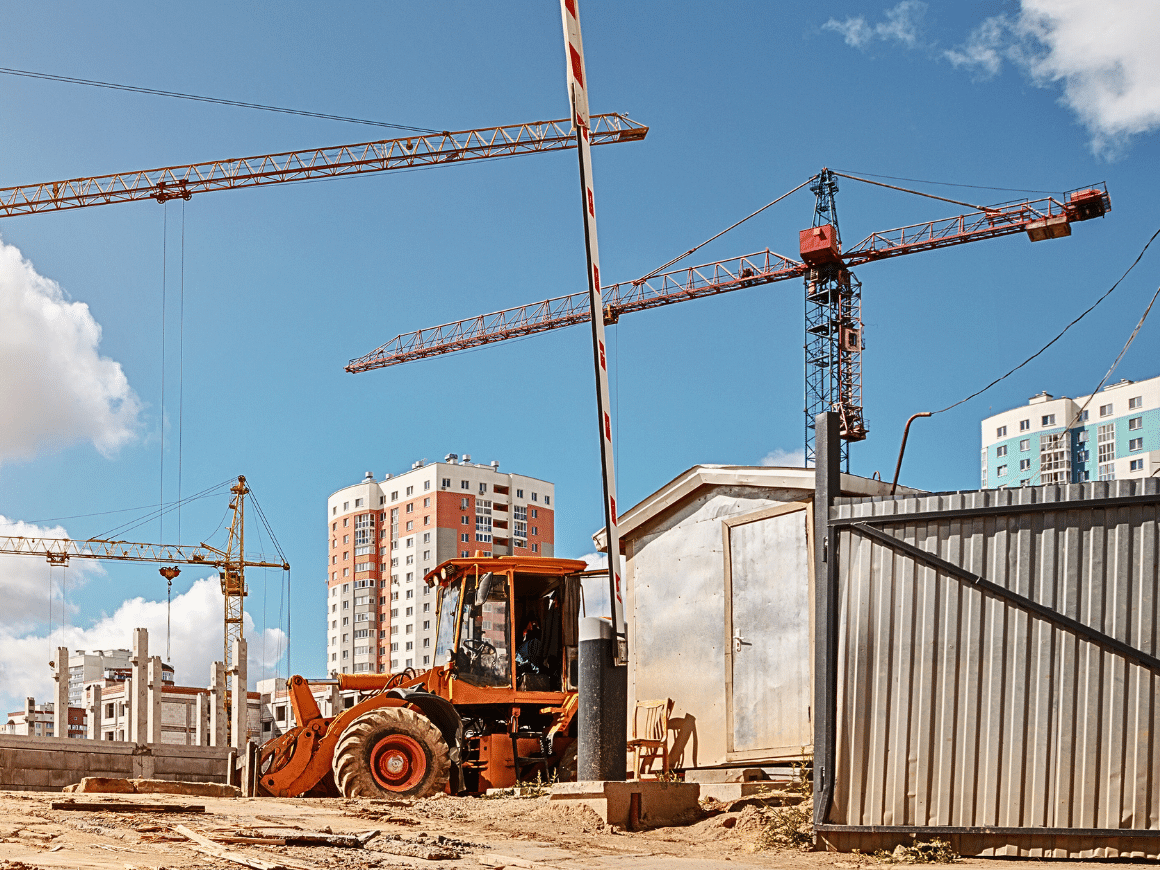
<point>391,752</point>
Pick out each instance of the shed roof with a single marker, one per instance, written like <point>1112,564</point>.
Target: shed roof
<point>686,484</point>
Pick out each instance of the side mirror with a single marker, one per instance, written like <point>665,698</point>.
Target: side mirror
<point>484,588</point>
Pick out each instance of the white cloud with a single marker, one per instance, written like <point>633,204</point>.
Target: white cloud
<point>196,642</point>
<point>1102,55</point>
<point>26,581</point>
<point>901,25</point>
<point>785,458</point>
<point>55,386</point>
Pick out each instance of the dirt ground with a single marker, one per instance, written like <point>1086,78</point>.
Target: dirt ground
<point>525,833</point>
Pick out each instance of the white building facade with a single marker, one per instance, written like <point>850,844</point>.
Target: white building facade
<point>1110,435</point>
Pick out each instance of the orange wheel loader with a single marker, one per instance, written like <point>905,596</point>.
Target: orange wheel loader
<point>499,708</point>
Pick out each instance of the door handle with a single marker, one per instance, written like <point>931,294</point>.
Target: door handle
<point>738,642</point>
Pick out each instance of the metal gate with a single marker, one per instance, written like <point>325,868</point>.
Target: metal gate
<point>997,679</point>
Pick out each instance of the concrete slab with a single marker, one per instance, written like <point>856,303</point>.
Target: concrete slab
<point>661,804</point>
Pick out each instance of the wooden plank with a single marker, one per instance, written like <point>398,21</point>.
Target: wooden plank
<point>126,807</point>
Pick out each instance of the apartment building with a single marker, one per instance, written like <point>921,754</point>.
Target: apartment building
<point>102,667</point>
<point>384,535</point>
<point>1110,435</point>
<point>36,720</point>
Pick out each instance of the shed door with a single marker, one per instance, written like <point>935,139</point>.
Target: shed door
<point>769,635</point>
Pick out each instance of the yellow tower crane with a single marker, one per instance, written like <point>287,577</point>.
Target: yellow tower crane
<point>231,562</point>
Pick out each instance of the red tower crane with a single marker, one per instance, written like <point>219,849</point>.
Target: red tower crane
<point>181,182</point>
<point>833,295</point>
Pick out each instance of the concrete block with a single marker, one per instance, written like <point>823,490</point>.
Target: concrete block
<point>662,804</point>
<point>105,785</point>
<point>199,789</point>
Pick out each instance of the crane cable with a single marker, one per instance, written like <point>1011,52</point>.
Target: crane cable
<point>723,232</point>
<point>982,208</point>
<point>156,92</point>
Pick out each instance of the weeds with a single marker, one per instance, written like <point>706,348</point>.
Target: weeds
<point>786,827</point>
<point>935,851</point>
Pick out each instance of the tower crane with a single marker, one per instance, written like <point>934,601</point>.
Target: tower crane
<point>182,182</point>
<point>231,562</point>
<point>833,325</point>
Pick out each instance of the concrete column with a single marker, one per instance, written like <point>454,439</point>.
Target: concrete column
<point>95,709</point>
<point>602,705</point>
<point>240,706</point>
<point>335,702</point>
<point>200,720</point>
<point>155,684</point>
<point>137,689</point>
<point>60,701</point>
<point>217,704</point>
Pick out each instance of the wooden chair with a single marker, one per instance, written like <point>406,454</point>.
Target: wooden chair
<point>650,733</point>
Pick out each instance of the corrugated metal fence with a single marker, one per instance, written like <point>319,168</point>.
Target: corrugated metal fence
<point>997,675</point>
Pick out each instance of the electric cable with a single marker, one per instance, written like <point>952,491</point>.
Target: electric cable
<point>157,92</point>
<point>1059,335</point>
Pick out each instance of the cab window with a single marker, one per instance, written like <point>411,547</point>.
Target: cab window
<point>484,654</point>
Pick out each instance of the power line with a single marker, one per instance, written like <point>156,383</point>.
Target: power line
<point>156,92</point>
<point>1061,333</point>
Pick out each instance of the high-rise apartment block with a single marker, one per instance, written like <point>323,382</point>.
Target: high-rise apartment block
<point>384,535</point>
<point>1110,435</point>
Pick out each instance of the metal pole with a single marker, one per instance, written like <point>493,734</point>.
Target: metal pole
<point>902,447</point>
<point>827,487</point>
<point>603,752</point>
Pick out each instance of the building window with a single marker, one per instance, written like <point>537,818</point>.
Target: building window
<point>1105,410</point>
<point>1048,419</point>
<point>1001,432</point>
<point>519,493</point>
<point>426,554</point>
<point>1083,415</point>
<point>1024,445</point>
<point>1136,423</point>
<point>1108,472</point>
<point>1137,465</point>
<point>466,520</point>
<point>410,508</point>
<point>426,486</point>
<point>1024,464</point>
<point>410,490</point>
<point>535,531</point>
<point>426,537</point>
<point>463,554</point>
<point>1136,444</point>
<point>482,488</point>
<point>547,499</point>
<point>1001,471</point>
<point>334,510</point>
<point>410,542</point>
<point>395,495</point>
<point>534,497</point>
<point>1001,450</point>
<point>447,483</point>
<point>535,513</point>
<point>410,525</point>
<point>1024,425</point>
<point>535,548</point>
<point>465,484</point>
<point>1135,403</point>
<point>411,560</point>
<point>465,538</point>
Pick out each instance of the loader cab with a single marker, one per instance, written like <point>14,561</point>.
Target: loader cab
<point>509,622</point>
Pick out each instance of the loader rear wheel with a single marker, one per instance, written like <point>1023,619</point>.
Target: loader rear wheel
<point>391,752</point>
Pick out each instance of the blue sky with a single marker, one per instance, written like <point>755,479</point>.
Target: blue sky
<point>283,286</point>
